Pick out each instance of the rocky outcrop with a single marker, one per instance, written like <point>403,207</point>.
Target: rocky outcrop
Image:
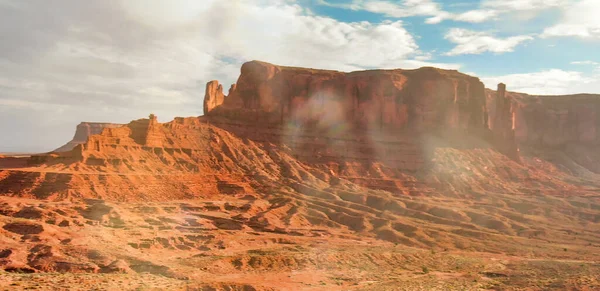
<point>146,132</point>
<point>569,124</point>
<point>425,99</point>
<point>83,131</point>
<point>502,123</point>
<point>379,129</point>
<point>214,96</point>
<point>387,111</point>
<point>554,121</point>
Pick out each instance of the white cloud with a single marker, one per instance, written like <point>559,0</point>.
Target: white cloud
<point>397,9</point>
<point>438,18</point>
<point>283,33</point>
<point>521,5</point>
<point>579,20</point>
<point>594,64</point>
<point>585,63</point>
<point>487,10</point>
<point>548,82</point>
<point>473,42</point>
<point>471,16</point>
<point>476,16</point>
<point>515,9</point>
<point>567,29</point>
<point>408,8</point>
<point>120,60</point>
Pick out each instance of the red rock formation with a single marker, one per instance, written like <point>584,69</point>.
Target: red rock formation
<point>379,108</point>
<point>554,121</point>
<point>214,96</point>
<point>146,132</point>
<point>502,125</point>
<point>558,120</point>
<point>426,99</point>
<point>139,133</point>
<point>83,131</point>
<point>567,123</point>
<point>374,128</point>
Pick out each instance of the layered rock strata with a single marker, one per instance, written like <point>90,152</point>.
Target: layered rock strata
<point>502,123</point>
<point>405,131</point>
<point>370,115</point>
<point>566,123</point>
<point>423,99</point>
<point>83,131</point>
<point>553,121</point>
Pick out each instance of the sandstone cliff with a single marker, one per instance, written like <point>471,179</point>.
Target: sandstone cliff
<point>569,123</point>
<point>391,112</point>
<point>423,99</point>
<point>83,131</point>
<point>502,122</point>
<point>558,120</point>
<point>404,131</point>
<point>554,121</point>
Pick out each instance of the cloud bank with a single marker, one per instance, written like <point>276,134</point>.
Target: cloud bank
<point>72,60</point>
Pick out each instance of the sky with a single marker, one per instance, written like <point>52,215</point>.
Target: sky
<point>67,61</point>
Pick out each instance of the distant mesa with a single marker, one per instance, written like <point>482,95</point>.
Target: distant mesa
<point>554,121</point>
<point>83,131</point>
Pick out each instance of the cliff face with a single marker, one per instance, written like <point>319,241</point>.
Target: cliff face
<point>83,131</point>
<point>389,111</point>
<point>422,100</point>
<point>502,123</point>
<point>569,124</point>
<point>558,120</point>
<point>554,121</point>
